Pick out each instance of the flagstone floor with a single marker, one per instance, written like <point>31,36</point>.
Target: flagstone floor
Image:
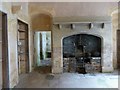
<point>68,80</point>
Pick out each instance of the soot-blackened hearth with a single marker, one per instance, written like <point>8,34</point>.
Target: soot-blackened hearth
<point>82,53</point>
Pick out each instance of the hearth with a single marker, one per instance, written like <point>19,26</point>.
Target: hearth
<point>82,53</point>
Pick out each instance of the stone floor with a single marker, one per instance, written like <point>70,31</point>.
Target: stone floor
<point>43,69</point>
<point>45,62</point>
<point>68,80</point>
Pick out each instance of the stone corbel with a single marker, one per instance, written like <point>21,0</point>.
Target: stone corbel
<point>59,26</point>
<point>72,26</point>
<point>16,8</point>
<point>103,25</point>
<point>91,26</point>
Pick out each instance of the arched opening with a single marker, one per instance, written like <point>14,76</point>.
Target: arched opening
<point>41,25</point>
<point>41,22</point>
<point>82,53</point>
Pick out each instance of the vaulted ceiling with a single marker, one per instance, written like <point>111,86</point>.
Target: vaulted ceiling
<point>41,13</point>
<point>64,9</point>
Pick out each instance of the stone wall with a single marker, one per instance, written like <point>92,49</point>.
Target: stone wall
<point>104,33</point>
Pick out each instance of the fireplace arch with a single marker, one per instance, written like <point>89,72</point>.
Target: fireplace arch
<point>82,45</point>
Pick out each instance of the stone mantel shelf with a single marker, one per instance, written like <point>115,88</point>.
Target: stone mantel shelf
<point>73,24</point>
<point>55,23</point>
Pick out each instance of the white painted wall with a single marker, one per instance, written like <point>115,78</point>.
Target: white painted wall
<point>48,35</point>
<point>44,44</point>
<point>37,48</point>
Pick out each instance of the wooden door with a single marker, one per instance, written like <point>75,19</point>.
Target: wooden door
<point>118,49</point>
<point>23,50</point>
<point>0,50</point>
<point>4,64</point>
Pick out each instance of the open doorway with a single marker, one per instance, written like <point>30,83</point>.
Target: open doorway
<point>42,51</point>
<point>4,68</point>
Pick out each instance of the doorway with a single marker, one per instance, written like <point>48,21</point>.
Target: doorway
<point>42,51</point>
<point>23,48</point>
<point>118,49</point>
<point>4,64</point>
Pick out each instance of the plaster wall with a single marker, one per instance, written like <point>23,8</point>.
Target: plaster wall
<point>115,28</point>
<point>44,44</point>
<point>37,48</point>
<point>65,9</point>
<point>12,39</point>
<point>41,22</point>
<point>48,35</point>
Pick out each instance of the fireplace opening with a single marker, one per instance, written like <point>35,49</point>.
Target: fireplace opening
<point>82,53</point>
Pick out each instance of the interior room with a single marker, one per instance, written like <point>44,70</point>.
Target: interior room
<point>59,44</point>
<point>42,49</point>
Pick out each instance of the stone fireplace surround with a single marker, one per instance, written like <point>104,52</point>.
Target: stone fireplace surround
<point>83,28</point>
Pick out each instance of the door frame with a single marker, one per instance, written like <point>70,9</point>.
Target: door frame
<point>28,62</point>
<point>5,58</point>
<point>118,67</point>
<point>51,46</point>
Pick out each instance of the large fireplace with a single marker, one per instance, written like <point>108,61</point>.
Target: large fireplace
<point>83,46</point>
<point>82,53</point>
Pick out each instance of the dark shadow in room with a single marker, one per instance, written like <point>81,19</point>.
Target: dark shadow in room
<point>118,50</point>
<point>82,53</point>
